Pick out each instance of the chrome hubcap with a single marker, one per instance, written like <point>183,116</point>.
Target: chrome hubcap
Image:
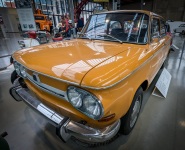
<point>135,111</point>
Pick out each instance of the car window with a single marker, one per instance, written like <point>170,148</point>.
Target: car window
<point>155,28</point>
<point>182,25</point>
<point>162,28</point>
<point>143,31</point>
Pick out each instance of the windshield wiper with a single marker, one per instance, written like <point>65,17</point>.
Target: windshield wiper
<point>102,35</point>
<point>107,35</point>
<point>84,35</point>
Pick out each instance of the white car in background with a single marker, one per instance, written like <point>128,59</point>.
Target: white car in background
<point>180,29</point>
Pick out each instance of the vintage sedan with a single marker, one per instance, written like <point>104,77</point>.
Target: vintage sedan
<point>180,29</point>
<point>92,87</point>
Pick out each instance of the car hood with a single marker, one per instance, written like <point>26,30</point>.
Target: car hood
<point>68,60</point>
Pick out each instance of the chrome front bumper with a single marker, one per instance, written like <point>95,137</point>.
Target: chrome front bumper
<point>65,127</point>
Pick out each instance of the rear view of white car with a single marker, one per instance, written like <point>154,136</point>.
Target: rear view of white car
<point>180,29</point>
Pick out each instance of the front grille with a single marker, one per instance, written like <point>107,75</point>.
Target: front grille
<point>37,79</point>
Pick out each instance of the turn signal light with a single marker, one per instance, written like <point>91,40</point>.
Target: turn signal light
<point>107,118</point>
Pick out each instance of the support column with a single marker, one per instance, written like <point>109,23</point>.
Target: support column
<point>142,4</point>
<point>183,13</point>
<point>113,2</point>
<point>71,10</point>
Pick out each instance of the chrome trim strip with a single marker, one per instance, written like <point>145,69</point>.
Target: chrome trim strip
<point>95,88</point>
<point>37,106</point>
<point>49,89</point>
<point>49,113</point>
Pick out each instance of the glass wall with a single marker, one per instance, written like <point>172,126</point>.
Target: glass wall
<point>7,3</point>
<point>54,9</point>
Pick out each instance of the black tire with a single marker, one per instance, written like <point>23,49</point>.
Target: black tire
<point>183,32</point>
<point>14,76</point>
<point>126,121</point>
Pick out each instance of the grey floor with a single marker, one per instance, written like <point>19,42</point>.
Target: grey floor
<point>161,125</point>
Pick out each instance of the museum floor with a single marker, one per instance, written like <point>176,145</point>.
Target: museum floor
<point>161,125</point>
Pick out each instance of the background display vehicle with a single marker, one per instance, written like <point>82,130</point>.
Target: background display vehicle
<point>180,29</point>
<point>92,87</point>
<point>42,21</point>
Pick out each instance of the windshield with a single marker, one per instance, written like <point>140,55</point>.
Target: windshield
<point>121,27</point>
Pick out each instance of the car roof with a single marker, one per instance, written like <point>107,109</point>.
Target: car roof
<point>139,11</point>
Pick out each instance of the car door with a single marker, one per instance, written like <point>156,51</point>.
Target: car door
<point>156,47</point>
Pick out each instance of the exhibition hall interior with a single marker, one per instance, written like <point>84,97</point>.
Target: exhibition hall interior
<point>92,74</point>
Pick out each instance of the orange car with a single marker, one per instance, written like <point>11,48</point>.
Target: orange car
<point>92,87</point>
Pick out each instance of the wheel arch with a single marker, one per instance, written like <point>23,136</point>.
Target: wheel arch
<point>144,85</point>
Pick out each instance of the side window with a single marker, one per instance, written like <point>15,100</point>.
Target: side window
<point>155,28</point>
<point>162,28</point>
<point>182,25</point>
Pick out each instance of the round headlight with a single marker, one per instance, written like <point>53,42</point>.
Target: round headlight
<point>22,71</point>
<point>91,106</point>
<point>75,97</point>
<point>17,67</point>
<point>85,102</point>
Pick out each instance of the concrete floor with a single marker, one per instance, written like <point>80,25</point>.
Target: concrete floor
<point>161,125</point>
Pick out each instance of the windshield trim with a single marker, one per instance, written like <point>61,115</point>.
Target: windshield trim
<point>112,41</point>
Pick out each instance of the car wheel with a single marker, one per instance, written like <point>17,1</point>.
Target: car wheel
<point>183,32</point>
<point>13,76</point>
<point>129,120</point>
